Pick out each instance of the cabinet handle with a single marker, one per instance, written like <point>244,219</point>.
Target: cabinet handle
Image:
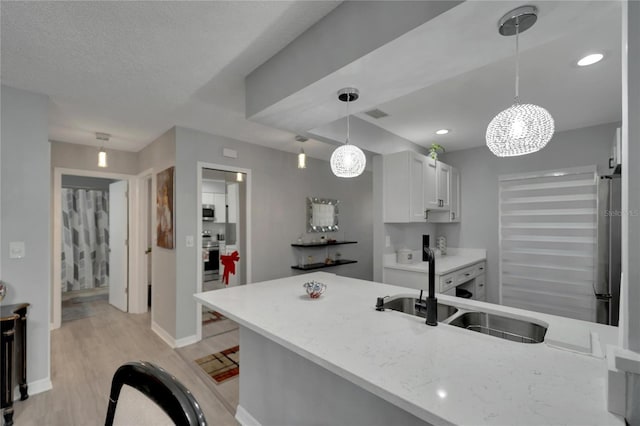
<point>482,268</point>
<point>426,215</point>
<point>480,285</point>
<point>453,215</point>
<point>448,282</point>
<point>467,274</point>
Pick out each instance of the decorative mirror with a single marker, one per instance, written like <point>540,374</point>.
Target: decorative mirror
<point>322,214</point>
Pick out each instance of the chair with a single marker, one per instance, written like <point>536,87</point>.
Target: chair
<point>161,387</point>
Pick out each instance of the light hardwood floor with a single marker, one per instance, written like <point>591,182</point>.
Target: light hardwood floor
<point>84,355</point>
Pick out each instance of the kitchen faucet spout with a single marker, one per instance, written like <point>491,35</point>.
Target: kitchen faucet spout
<point>432,302</point>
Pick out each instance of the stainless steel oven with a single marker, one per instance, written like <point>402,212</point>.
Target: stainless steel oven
<point>211,260</point>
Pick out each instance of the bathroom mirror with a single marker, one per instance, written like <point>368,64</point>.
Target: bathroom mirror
<point>322,214</point>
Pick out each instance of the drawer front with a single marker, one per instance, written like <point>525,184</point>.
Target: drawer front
<point>465,274</point>
<point>447,282</point>
<point>480,288</point>
<point>481,268</point>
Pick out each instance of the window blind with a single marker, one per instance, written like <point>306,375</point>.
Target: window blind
<point>548,241</point>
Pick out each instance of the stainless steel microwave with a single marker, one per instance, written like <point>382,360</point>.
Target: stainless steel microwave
<point>208,213</point>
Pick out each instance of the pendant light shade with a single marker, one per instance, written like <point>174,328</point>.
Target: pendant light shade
<point>302,159</point>
<point>102,154</point>
<point>102,158</point>
<point>522,128</point>
<point>347,160</point>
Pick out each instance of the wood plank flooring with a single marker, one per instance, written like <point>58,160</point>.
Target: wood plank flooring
<point>84,355</point>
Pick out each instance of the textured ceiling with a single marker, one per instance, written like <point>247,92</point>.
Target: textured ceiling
<point>134,69</point>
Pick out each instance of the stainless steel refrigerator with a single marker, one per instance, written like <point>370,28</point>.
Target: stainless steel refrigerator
<point>607,284</point>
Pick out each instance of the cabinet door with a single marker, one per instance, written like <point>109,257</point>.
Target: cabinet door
<point>444,184</point>
<point>207,198</point>
<point>403,192</point>
<point>431,200</point>
<point>232,202</point>
<point>481,291</point>
<point>454,202</point>
<point>416,184</point>
<point>220,201</point>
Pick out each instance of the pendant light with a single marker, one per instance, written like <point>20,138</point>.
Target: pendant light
<point>102,154</point>
<point>302,157</point>
<point>522,128</point>
<point>347,160</point>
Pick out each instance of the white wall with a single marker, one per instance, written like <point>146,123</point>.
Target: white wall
<point>279,192</point>
<point>158,156</point>
<point>82,157</point>
<point>25,212</point>
<point>479,171</point>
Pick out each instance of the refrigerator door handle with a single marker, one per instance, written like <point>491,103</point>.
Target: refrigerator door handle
<point>603,296</point>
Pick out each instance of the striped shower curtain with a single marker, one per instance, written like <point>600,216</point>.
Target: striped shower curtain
<point>85,239</point>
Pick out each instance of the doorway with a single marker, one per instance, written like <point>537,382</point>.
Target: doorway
<point>93,252</point>
<point>91,256</point>
<point>223,207</point>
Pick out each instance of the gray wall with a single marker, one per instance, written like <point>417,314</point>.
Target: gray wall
<point>279,191</point>
<point>158,156</point>
<point>74,156</point>
<point>479,171</point>
<point>25,211</point>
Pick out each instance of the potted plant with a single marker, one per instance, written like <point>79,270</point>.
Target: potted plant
<point>435,149</point>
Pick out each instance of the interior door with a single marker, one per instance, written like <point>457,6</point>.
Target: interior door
<point>118,249</point>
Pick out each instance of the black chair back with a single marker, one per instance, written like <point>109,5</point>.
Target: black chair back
<point>159,386</point>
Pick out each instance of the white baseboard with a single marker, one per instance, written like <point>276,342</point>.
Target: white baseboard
<point>244,418</point>
<point>186,341</point>
<point>163,334</point>
<point>35,388</point>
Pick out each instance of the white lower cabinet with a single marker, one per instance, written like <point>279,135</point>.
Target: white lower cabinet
<point>470,278</point>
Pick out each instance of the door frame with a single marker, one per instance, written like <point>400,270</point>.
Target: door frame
<point>138,236</point>
<point>56,250</point>
<point>247,256</point>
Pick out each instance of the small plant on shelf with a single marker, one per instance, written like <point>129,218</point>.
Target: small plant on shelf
<point>435,149</point>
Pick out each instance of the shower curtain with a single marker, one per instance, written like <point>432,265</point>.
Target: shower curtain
<point>85,239</point>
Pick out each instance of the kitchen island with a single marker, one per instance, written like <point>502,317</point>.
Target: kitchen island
<point>336,360</point>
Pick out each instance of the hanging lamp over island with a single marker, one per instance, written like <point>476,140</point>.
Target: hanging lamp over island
<point>102,154</point>
<point>348,160</point>
<point>522,128</point>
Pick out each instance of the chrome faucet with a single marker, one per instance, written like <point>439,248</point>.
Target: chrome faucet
<point>432,302</point>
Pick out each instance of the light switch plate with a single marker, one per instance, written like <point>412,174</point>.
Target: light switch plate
<point>189,240</point>
<point>387,241</point>
<point>16,250</point>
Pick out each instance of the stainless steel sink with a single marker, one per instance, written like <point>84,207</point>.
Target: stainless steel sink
<point>503,327</point>
<point>408,306</point>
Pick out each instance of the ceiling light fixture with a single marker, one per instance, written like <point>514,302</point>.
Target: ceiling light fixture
<point>347,160</point>
<point>590,59</point>
<point>302,157</point>
<point>442,131</point>
<point>102,155</point>
<point>522,128</point>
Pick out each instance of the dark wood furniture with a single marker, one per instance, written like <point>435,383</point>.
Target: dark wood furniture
<point>13,347</point>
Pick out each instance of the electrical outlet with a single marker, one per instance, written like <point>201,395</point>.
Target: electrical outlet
<point>189,240</point>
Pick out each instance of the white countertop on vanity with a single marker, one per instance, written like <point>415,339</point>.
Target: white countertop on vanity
<point>443,374</point>
<point>456,258</point>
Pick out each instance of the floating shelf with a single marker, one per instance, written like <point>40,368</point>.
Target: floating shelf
<point>336,243</point>
<point>311,266</point>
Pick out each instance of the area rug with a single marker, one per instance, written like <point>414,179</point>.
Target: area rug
<point>222,365</point>
<point>212,316</point>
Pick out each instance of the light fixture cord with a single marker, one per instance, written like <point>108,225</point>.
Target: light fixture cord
<point>517,100</point>
<point>348,128</point>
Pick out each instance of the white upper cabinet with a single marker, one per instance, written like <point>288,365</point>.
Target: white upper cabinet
<point>232,202</point>
<point>403,187</point>
<point>453,212</point>
<point>417,187</point>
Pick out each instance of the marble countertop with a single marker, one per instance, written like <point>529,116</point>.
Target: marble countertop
<point>454,260</point>
<point>443,374</point>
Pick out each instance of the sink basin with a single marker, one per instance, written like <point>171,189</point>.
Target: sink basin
<point>503,327</point>
<point>408,306</point>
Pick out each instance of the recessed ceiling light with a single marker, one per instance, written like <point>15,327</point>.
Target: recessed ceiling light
<point>590,59</point>
<point>442,131</point>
